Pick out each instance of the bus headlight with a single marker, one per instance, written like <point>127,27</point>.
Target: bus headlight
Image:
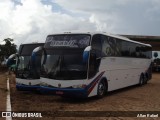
<point>79,86</point>
<point>43,84</point>
<point>18,83</point>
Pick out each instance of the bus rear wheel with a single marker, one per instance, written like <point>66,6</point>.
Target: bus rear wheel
<point>101,89</point>
<point>141,80</point>
<point>146,78</point>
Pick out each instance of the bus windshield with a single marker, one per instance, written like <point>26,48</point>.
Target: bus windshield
<point>65,57</point>
<point>23,62</point>
<point>25,68</point>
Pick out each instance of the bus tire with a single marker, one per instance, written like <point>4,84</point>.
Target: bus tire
<point>146,78</point>
<point>141,80</point>
<point>101,89</point>
<point>18,89</point>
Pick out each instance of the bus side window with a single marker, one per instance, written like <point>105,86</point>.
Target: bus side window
<point>132,50</point>
<point>110,46</point>
<point>149,52</point>
<point>106,49</point>
<point>125,50</point>
<point>96,45</point>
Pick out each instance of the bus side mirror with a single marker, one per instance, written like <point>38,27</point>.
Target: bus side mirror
<point>86,54</point>
<point>34,61</point>
<point>35,52</point>
<point>11,59</point>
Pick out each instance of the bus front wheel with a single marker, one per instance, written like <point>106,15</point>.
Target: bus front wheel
<point>101,89</point>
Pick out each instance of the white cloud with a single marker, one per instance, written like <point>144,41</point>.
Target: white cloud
<point>33,21</point>
<point>119,16</point>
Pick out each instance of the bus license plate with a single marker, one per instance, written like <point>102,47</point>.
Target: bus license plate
<point>59,92</point>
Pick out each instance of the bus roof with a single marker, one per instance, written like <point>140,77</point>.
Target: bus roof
<point>26,49</point>
<point>104,33</point>
<point>32,44</point>
<point>126,39</point>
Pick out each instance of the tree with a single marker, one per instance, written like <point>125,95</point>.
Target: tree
<point>7,49</point>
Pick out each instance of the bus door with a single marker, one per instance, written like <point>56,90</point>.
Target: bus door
<point>95,55</point>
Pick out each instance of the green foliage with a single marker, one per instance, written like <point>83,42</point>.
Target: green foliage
<point>7,49</point>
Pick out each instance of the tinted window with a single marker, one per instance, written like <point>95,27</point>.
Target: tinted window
<point>125,49</point>
<point>106,49</point>
<point>149,52</point>
<point>132,48</point>
<point>96,45</point>
<point>27,49</point>
<point>95,55</point>
<point>64,65</point>
<point>121,48</point>
<point>111,46</point>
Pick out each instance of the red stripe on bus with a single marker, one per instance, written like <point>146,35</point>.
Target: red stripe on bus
<point>96,81</point>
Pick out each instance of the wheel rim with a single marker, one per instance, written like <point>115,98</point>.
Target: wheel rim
<point>101,89</point>
<point>141,82</point>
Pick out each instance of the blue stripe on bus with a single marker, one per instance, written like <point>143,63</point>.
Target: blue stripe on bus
<point>94,82</point>
<point>69,92</point>
<point>27,87</point>
<point>72,92</point>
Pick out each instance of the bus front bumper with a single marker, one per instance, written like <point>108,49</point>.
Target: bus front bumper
<point>64,92</point>
<point>22,87</point>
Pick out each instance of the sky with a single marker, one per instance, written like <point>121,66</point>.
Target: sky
<point>29,21</point>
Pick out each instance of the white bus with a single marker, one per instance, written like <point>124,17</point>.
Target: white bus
<point>89,64</point>
<point>27,78</point>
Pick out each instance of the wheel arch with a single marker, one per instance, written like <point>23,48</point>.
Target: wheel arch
<point>104,79</point>
<point>147,75</point>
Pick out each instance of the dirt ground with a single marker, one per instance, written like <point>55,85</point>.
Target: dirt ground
<point>3,91</point>
<point>145,98</point>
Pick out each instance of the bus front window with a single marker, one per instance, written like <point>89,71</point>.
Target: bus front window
<point>23,62</point>
<point>65,57</point>
<point>23,67</point>
<point>65,65</point>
